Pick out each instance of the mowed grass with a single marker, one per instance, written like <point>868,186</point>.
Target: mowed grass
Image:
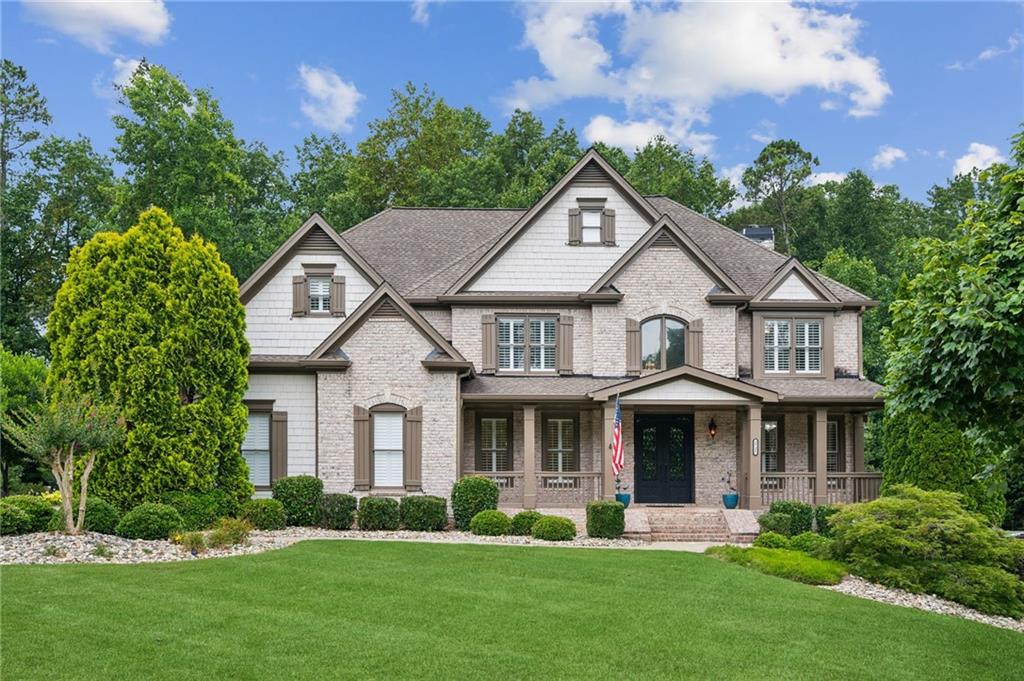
<point>346,609</point>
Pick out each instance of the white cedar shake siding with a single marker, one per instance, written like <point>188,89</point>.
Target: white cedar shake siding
<point>541,259</point>
<point>793,288</point>
<point>296,395</point>
<point>844,334</point>
<point>386,356</point>
<point>270,327</point>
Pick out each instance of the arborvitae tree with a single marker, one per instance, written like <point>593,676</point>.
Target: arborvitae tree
<point>150,322</point>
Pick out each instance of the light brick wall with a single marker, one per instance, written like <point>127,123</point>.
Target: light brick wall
<point>744,346</point>
<point>386,355</point>
<point>440,319</point>
<point>844,333</point>
<point>296,395</point>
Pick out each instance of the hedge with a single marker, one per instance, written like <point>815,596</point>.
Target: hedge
<point>522,522</point>
<point>812,544</point>
<point>424,513</point>
<point>302,497</point>
<point>100,516</point>
<point>780,523</point>
<point>13,520</point>
<point>149,521</point>
<point>490,523</point>
<point>606,519</point>
<point>38,510</point>
<point>264,514</point>
<point>470,495</point>
<point>771,540</point>
<point>379,513</point>
<point>199,510</point>
<point>554,528</point>
<point>337,511</point>
<point>801,515</point>
<point>784,563</point>
<point>822,514</point>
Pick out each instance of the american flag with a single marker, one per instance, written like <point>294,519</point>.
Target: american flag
<point>617,439</point>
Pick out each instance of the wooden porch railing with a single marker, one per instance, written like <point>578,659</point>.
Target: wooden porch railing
<point>787,487</point>
<point>578,487</point>
<point>510,484</point>
<point>843,488</point>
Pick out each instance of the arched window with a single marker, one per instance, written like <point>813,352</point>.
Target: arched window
<point>662,343</point>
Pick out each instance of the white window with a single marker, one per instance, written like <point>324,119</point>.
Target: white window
<point>808,347</point>
<point>770,451</point>
<point>832,447</point>
<point>542,344</point>
<point>511,344</point>
<point>519,351</point>
<point>591,226</point>
<point>388,449</point>
<point>256,449</point>
<point>319,294</point>
<point>776,346</point>
<point>560,446</point>
<point>494,450</point>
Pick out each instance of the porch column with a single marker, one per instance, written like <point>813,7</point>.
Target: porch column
<point>820,456</point>
<point>529,457</point>
<point>752,464</point>
<point>607,476</point>
<point>858,443</point>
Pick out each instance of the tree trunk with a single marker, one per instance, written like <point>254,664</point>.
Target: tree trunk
<point>63,469</point>
<point>85,488</point>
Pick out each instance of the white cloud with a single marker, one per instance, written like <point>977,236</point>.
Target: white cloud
<point>978,156</point>
<point>673,62</point>
<point>887,155</point>
<point>764,133</point>
<point>421,11</point>
<point>628,135</point>
<point>988,54</point>
<point>97,24</point>
<point>124,69</point>
<point>105,84</point>
<point>823,177</point>
<point>735,176</point>
<point>330,102</point>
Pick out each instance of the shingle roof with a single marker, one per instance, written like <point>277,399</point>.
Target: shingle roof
<point>574,386</point>
<point>790,389</point>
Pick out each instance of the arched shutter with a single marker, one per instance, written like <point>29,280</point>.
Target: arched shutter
<point>300,295</point>
<point>489,347</point>
<point>632,347</point>
<point>413,442</point>
<point>564,350</point>
<point>361,445</point>
<point>338,295</point>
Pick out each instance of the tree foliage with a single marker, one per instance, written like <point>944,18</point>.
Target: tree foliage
<point>22,107</point>
<point>150,323</point>
<point>21,389</point>
<point>776,175</point>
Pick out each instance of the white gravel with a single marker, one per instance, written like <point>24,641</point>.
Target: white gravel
<point>448,537</point>
<point>861,588</point>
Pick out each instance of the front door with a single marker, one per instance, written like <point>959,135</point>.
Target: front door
<point>663,465</point>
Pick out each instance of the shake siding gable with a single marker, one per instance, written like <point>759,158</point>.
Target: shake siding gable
<point>295,395</point>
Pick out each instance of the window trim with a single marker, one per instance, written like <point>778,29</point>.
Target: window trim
<point>319,270</point>
<point>387,408</point>
<point>510,449</point>
<point>663,351</point>
<point>263,407</point>
<point>758,320</point>
<point>546,418</point>
<point>593,205</point>
<point>527,318</point>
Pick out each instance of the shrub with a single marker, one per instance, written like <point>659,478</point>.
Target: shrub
<point>148,521</point>
<point>424,514</point>
<point>13,520</point>
<point>379,513</point>
<point>193,542</point>
<point>522,522</point>
<point>554,528</point>
<point>264,514</point>
<point>490,523</point>
<point>812,544</point>
<point>606,519</point>
<point>801,515</point>
<point>784,563</point>
<point>780,523</point>
<point>38,510</point>
<point>337,511</point>
<point>302,496</point>
<point>199,510</point>
<point>470,495</point>
<point>927,542</point>
<point>229,532</point>
<point>100,516</point>
<point>821,518</point>
<point>772,540</point>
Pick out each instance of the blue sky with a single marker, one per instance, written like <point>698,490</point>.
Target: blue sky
<point>905,91</point>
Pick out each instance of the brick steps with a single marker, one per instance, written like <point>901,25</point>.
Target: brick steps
<point>685,524</point>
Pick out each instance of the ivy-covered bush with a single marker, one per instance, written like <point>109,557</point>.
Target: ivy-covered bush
<point>302,496</point>
<point>13,520</point>
<point>39,511</point>
<point>822,514</point>
<point>229,532</point>
<point>772,540</point>
<point>801,515</point>
<point>812,544</point>
<point>199,510</point>
<point>780,523</point>
<point>379,513</point>
<point>522,522</point>
<point>927,542</point>
<point>606,519</point>
<point>490,523</point>
<point>149,521</point>
<point>424,513</point>
<point>264,514</point>
<point>554,528</point>
<point>470,495</point>
<point>337,511</point>
<point>784,563</point>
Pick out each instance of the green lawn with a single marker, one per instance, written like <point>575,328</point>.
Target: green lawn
<point>333,609</point>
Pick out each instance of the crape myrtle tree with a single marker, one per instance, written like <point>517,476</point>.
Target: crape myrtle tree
<point>150,323</point>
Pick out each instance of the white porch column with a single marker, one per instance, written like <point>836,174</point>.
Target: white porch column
<point>607,476</point>
<point>858,443</point>
<point>752,464</point>
<point>529,457</point>
<point>820,456</point>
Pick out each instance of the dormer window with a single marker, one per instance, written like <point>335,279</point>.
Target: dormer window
<point>318,291</point>
<point>319,294</point>
<point>591,225</point>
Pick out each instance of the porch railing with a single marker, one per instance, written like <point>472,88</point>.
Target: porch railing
<point>842,488</point>
<point>578,487</point>
<point>787,487</point>
<point>510,484</point>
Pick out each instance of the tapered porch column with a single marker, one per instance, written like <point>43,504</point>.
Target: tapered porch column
<point>529,457</point>
<point>752,457</point>
<point>820,456</point>
<point>607,476</point>
<point>858,443</point>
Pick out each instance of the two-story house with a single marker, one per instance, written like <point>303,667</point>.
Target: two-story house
<point>425,344</point>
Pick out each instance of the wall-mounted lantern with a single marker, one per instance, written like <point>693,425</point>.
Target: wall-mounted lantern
<point>712,428</point>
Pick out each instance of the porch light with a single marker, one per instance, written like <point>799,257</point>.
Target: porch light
<point>712,428</point>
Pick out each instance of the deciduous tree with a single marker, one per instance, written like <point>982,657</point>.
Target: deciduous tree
<point>777,174</point>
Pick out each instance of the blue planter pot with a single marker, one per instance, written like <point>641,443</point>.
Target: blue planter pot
<point>622,499</point>
<point>731,500</point>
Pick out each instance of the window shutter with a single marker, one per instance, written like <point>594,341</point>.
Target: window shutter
<point>695,343</point>
<point>278,445</point>
<point>338,295</point>
<point>841,435</point>
<point>489,350</point>
<point>413,436</point>
<point>575,227</point>
<point>782,443</point>
<point>564,350</point>
<point>300,295</point>
<point>608,226</point>
<point>361,440</point>
<point>811,432</point>
<point>632,347</point>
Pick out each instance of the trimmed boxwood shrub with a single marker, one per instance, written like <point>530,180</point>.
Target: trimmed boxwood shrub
<point>772,540</point>
<point>199,510</point>
<point>424,513</point>
<point>781,523</point>
<point>470,495</point>
<point>522,522</point>
<point>812,544</point>
<point>148,521</point>
<point>490,523</point>
<point>337,511</point>
<point>801,515</point>
<point>554,528</point>
<point>100,516</point>
<point>264,514</point>
<point>821,518</point>
<point>13,520</point>
<point>606,519</point>
<point>302,496</point>
<point>38,510</point>
<point>793,565</point>
<point>379,513</point>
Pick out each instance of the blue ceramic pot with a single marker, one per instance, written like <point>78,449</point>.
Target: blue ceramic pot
<point>622,499</point>
<point>731,500</point>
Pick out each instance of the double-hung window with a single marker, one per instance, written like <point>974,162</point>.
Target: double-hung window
<point>770,451</point>
<point>388,448</point>
<point>256,448</point>
<point>808,346</point>
<point>832,446</point>
<point>776,346</point>
<point>494,453</point>
<point>527,343</point>
<point>793,346</point>
<point>319,294</point>
<point>561,454</point>
<point>591,233</point>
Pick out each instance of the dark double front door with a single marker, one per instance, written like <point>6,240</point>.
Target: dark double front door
<point>663,472</point>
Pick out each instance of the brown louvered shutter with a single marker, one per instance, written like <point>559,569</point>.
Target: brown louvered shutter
<point>575,227</point>
<point>413,441</point>
<point>338,295</point>
<point>361,446</point>
<point>841,444</point>
<point>781,458</point>
<point>608,226</point>
<point>278,445</point>
<point>489,347</point>
<point>300,295</point>
<point>632,347</point>
<point>811,432</point>
<point>695,343</point>
<point>565,327</point>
